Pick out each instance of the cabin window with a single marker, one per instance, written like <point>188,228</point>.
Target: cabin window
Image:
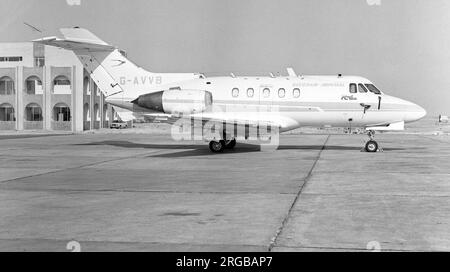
<point>281,92</point>
<point>373,89</point>
<point>296,93</point>
<point>361,88</point>
<point>266,92</point>
<point>250,92</point>
<point>235,92</point>
<point>353,88</point>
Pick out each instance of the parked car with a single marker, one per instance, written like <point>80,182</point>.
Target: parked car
<point>118,125</point>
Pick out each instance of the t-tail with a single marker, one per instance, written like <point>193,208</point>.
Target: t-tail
<point>115,75</point>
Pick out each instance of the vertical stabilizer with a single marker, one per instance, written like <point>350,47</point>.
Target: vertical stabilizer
<point>114,74</point>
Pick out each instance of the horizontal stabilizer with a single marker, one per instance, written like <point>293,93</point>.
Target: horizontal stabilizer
<point>73,45</point>
<point>77,39</point>
<point>81,35</point>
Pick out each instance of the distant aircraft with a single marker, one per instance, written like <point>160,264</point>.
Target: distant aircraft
<point>238,103</point>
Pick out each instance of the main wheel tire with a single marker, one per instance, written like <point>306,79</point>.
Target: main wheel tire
<point>231,144</point>
<point>371,146</point>
<point>217,147</point>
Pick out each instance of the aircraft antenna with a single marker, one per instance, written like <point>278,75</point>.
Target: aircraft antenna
<point>32,27</point>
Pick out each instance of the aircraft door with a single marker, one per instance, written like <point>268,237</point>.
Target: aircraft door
<point>369,102</point>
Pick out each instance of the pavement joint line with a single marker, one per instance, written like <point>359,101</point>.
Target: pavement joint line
<point>55,156</point>
<point>388,172</point>
<point>305,181</point>
<point>202,244</point>
<point>79,167</point>
<point>141,191</point>
<point>346,248</point>
<point>128,242</point>
<point>375,195</point>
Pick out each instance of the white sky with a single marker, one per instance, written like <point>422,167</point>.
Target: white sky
<point>401,45</point>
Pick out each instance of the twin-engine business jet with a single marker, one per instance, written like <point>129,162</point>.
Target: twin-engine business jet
<point>281,103</point>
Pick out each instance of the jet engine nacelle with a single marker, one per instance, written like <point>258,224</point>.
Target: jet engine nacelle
<point>176,101</point>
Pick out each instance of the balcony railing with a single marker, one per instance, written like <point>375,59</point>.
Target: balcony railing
<point>62,125</point>
<point>33,125</point>
<point>7,125</point>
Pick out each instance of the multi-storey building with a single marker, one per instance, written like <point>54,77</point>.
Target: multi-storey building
<point>46,88</point>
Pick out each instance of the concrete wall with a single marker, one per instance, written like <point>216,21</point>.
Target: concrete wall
<point>24,50</point>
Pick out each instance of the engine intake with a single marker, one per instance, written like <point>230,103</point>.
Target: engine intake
<point>176,101</point>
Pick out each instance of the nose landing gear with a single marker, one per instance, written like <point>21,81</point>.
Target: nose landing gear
<point>371,145</point>
<point>217,146</point>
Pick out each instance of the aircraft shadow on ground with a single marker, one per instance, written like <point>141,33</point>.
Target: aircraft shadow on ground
<point>203,150</point>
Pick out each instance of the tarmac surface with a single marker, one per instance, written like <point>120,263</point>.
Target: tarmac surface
<point>138,192</point>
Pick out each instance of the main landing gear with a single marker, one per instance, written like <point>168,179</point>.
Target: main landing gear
<point>372,145</point>
<point>220,146</point>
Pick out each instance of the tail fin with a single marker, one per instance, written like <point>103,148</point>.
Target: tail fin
<point>109,68</point>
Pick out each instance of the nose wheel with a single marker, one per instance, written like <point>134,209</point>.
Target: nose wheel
<point>372,145</point>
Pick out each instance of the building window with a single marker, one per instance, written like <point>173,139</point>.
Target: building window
<point>96,112</point>
<point>39,62</point>
<point>266,92</point>
<point>33,113</point>
<point>235,92</point>
<point>105,112</point>
<point>353,88</point>
<point>6,86</point>
<point>296,93</point>
<point>281,92</point>
<point>7,113</point>
<point>61,85</point>
<point>250,92</point>
<point>11,59</point>
<point>86,86</point>
<point>86,113</point>
<point>96,90</point>
<point>61,112</point>
<point>34,85</point>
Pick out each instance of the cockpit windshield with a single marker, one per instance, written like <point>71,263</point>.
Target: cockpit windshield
<point>373,89</point>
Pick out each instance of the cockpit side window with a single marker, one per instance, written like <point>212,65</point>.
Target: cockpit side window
<point>373,89</point>
<point>361,88</point>
<point>353,88</point>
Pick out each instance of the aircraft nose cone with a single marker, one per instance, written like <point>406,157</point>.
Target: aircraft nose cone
<point>422,112</point>
<point>415,114</point>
